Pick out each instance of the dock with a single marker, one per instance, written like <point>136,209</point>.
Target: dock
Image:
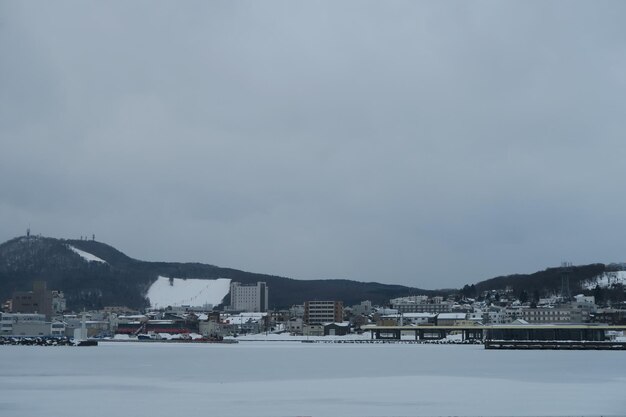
<point>554,345</point>
<point>531,336</point>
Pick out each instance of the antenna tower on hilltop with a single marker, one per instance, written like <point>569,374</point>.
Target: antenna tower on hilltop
<point>566,268</point>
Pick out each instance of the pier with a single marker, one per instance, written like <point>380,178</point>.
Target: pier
<point>573,336</point>
<point>554,345</point>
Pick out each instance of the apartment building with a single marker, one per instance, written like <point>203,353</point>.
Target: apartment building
<point>546,315</point>
<point>317,312</point>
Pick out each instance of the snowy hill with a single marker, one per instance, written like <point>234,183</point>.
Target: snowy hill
<point>546,282</point>
<point>93,275</point>
<point>606,280</point>
<point>192,292</point>
<point>86,255</point>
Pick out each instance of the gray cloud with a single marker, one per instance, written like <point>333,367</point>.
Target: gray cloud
<point>422,143</point>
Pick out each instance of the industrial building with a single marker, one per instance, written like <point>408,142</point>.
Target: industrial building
<point>29,325</point>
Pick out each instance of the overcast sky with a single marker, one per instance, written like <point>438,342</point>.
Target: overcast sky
<point>429,144</point>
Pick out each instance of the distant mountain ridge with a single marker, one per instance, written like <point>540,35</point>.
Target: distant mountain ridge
<point>122,280</point>
<point>549,279</point>
<point>606,282</point>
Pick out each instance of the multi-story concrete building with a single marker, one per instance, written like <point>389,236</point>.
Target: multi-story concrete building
<point>17,324</point>
<point>317,312</point>
<point>39,300</point>
<point>443,307</point>
<point>249,297</point>
<point>546,315</point>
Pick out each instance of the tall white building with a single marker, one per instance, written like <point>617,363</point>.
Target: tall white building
<point>249,297</point>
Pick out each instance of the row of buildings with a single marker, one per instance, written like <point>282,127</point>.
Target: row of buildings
<point>41,312</point>
<point>580,309</point>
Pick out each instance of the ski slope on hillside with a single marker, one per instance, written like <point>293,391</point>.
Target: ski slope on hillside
<point>193,292</point>
<point>86,255</point>
<point>606,280</point>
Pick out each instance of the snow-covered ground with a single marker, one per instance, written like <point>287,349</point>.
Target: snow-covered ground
<point>273,337</point>
<point>606,279</point>
<point>86,255</point>
<point>190,291</point>
<point>303,379</point>
<point>287,337</point>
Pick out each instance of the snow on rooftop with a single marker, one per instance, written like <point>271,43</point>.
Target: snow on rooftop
<point>419,315</point>
<point>86,255</point>
<point>195,292</point>
<point>242,318</point>
<point>451,316</point>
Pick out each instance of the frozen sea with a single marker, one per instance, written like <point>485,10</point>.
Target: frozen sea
<point>299,379</point>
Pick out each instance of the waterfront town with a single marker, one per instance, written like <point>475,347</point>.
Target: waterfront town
<point>41,312</point>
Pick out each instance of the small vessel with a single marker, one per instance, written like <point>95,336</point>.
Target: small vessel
<point>87,343</point>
